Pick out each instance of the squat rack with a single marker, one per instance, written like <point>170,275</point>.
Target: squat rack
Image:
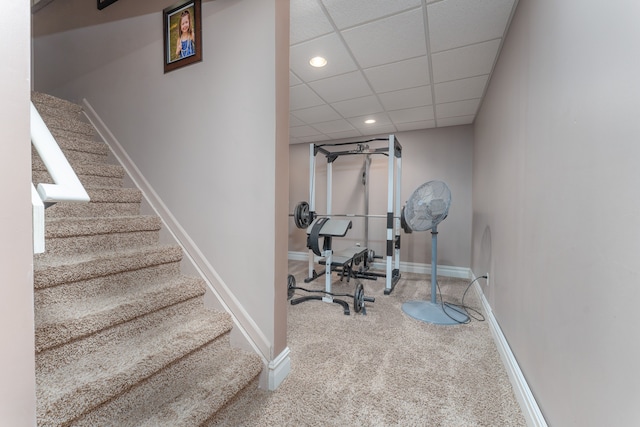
<point>393,150</point>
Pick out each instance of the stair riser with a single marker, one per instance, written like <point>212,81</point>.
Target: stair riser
<point>62,134</point>
<point>74,245</point>
<point>78,143</point>
<point>83,157</point>
<point>113,283</point>
<point>46,275</point>
<point>55,327</point>
<point>86,180</point>
<point>55,103</point>
<point>64,124</point>
<point>92,209</point>
<point>46,110</point>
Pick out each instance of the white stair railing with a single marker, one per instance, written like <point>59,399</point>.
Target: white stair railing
<point>67,187</point>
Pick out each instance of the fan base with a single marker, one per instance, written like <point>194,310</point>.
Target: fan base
<point>427,311</point>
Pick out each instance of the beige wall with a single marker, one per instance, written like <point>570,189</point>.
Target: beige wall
<point>205,136</point>
<point>17,351</point>
<point>556,211</point>
<point>434,154</point>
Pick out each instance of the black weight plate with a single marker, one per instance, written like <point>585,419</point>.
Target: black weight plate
<point>358,298</point>
<point>291,286</point>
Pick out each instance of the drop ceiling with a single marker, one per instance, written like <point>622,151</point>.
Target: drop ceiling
<point>407,64</point>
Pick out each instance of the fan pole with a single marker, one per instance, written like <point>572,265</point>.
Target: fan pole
<point>432,311</point>
<point>434,265</point>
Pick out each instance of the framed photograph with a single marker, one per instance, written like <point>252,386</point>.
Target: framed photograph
<point>104,3</point>
<point>182,35</point>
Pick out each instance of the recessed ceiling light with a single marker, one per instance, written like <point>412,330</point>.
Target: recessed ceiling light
<point>318,61</point>
<point>369,121</point>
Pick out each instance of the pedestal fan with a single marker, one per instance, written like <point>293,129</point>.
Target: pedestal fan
<point>425,209</point>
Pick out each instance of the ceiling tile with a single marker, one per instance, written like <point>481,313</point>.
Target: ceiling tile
<point>345,134</point>
<point>303,97</point>
<point>384,129</point>
<point>294,80</point>
<point>321,113</point>
<point>399,75</point>
<point>333,126</point>
<point>458,108</point>
<point>468,61</point>
<point>353,12</point>
<point>340,88</point>
<point>455,23</point>
<point>294,121</point>
<point>407,98</point>
<point>427,124</point>
<point>459,90</point>
<point>412,115</point>
<point>301,131</point>
<point>331,48</point>
<point>359,106</point>
<point>307,20</point>
<point>388,40</point>
<point>455,121</point>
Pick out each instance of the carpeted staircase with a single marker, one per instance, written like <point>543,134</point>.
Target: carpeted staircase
<point>122,337</point>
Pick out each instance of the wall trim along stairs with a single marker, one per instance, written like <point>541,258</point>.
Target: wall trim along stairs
<point>276,367</point>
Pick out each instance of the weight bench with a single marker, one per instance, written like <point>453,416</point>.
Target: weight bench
<point>344,261</point>
<point>326,229</point>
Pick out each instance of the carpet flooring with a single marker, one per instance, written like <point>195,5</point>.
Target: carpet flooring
<point>383,368</point>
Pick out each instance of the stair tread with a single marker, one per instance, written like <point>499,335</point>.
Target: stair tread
<point>68,319</point>
<point>68,124</point>
<point>54,101</point>
<point>181,395</point>
<point>83,226</point>
<point>72,389</point>
<point>86,168</point>
<point>75,142</point>
<point>53,269</point>
<point>114,195</point>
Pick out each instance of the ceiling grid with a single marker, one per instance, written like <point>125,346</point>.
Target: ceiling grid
<point>407,64</point>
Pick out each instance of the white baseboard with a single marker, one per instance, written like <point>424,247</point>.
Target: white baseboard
<point>407,267</point>
<point>277,370</point>
<point>524,396</point>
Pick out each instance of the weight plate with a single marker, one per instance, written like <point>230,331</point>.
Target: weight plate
<point>358,298</point>
<point>302,216</point>
<point>291,286</point>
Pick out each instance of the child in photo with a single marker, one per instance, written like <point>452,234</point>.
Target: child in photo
<point>185,45</point>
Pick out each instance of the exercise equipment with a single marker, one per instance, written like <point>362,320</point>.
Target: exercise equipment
<point>303,216</point>
<point>358,296</point>
<point>305,212</point>
<point>326,229</point>
<point>426,208</point>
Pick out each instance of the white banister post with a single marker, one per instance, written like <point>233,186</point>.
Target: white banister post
<point>38,221</point>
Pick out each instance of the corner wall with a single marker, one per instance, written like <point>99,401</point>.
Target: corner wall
<point>205,136</point>
<point>17,354</point>
<point>556,217</point>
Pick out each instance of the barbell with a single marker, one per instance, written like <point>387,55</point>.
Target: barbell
<point>303,216</point>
